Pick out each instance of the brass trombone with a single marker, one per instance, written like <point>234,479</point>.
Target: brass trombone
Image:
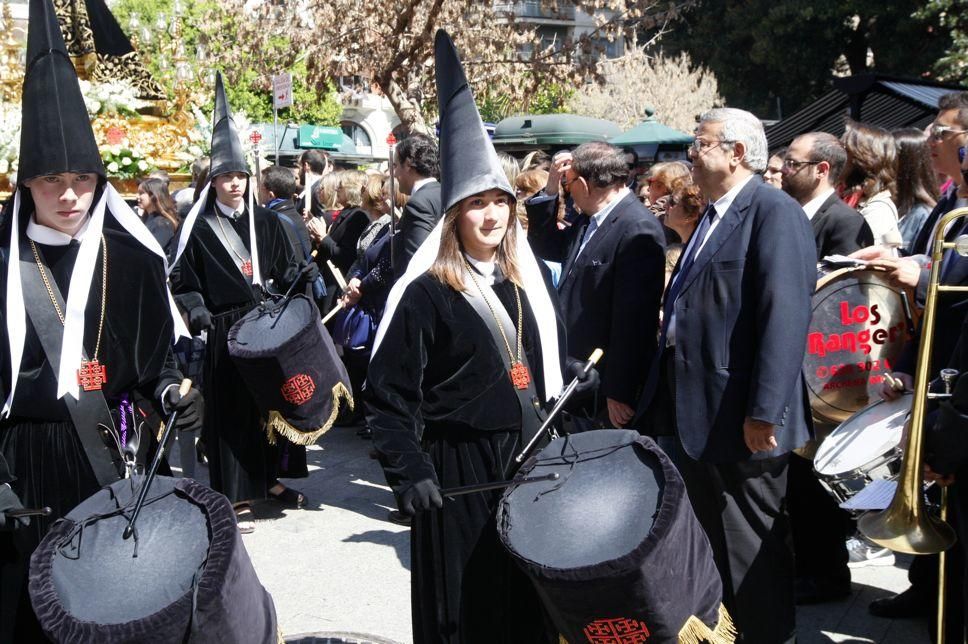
<point>906,525</point>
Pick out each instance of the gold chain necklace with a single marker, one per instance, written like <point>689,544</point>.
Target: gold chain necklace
<point>92,374</point>
<point>518,372</point>
<point>246,263</point>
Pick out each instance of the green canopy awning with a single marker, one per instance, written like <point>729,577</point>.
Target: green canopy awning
<point>651,132</point>
<point>320,137</point>
<point>545,130</point>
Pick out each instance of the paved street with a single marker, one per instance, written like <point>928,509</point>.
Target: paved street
<point>340,567</point>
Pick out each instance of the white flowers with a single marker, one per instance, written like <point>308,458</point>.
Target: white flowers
<point>113,97</point>
<point>113,167</point>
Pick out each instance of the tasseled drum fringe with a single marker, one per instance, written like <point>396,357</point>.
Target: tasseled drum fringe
<point>695,632</point>
<point>278,425</point>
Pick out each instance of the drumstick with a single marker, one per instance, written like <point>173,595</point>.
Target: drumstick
<point>340,280</point>
<point>28,512</point>
<point>336,309</point>
<point>565,395</point>
<point>496,485</point>
<point>183,389</point>
<point>895,383</point>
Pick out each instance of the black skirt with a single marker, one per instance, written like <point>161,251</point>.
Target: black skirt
<point>465,586</point>
<point>51,470</point>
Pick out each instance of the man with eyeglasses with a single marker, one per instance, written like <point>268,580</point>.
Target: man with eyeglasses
<point>729,382</point>
<point>947,138</point>
<point>811,167</point>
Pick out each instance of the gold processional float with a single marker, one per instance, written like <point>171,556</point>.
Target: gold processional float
<point>138,127</point>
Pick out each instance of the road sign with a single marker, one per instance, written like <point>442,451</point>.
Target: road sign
<point>282,90</point>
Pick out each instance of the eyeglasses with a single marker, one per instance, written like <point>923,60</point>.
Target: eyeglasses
<point>796,165</point>
<point>938,132</point>
<point>698,145</point>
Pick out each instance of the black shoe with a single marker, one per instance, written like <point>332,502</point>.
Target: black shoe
<point>200,453</point>
<point>906,605</point>
<point>819,590</point>
<point>398,517</point>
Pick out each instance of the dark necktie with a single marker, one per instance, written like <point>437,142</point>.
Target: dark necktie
<point>685,265</point>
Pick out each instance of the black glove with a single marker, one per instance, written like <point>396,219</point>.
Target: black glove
<point>587,382</point>
<point>10,501</point>
<point>199,318</point>
<point>190,407</point>
<point>305,272</point>
<point>421,496</point>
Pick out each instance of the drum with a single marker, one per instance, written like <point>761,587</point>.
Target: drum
<point>290,366</point>
<point>859,326</point>
<point>597,543</point>
<point>183,577</point>
<point>865,447</point>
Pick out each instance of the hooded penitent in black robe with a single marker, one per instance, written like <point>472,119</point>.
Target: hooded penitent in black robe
<point>242,464</point>
<point>442,407</point>
<point>40,453</point>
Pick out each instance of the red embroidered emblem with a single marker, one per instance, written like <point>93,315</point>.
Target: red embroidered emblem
<point>247,268</point>
<point>520,377</point>
<point>298,389</point>
<point>618,630</point>
<point>92,375</point>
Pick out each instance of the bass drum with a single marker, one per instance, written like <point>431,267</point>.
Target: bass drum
<point>859,326</point>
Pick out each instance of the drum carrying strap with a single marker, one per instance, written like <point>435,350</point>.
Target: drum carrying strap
<point>231,242</point>
<point>531,413</point>
<point>90,411</point>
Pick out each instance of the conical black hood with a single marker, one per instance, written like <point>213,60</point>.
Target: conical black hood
<point>226,152</point>
<point>468,162</point>
<point>56,132</point>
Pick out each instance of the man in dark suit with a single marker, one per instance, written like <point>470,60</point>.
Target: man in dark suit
<point>811,167</point>
<point>313,164</point>
<point>416,171</point>
<point>735,322</point>
<point>613,268</point>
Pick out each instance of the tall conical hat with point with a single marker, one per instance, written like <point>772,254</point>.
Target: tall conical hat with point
<point>468,162</point>
<point>56,133</point>
<point>226,152</point>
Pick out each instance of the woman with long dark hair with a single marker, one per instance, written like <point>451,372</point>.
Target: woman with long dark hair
<point>917,187</point>
<point>160,214</point>
<point>869,178</point>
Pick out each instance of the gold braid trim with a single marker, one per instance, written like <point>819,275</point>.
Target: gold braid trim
<point>695,632</point>
<point>277,424</point>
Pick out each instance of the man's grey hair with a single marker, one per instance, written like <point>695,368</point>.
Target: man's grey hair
<point>739,126</point>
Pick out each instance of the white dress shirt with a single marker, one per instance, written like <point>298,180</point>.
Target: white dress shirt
<point>812,206</point>
<point>721,206</point>
<point>50,237</point>
<point>600,217</point>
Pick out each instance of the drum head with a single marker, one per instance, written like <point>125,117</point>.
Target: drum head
<point>97,574</point>
<point>856,333</point>
<point>864,437</point>
<point>602,506</point>
<point>267,328</point>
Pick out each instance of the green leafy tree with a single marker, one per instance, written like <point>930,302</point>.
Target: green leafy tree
<point>787,51</point>
<point>950,15</point>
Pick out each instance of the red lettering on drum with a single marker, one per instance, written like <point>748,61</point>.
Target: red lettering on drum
<point>298,389</point>
<point>618,630</point>
<point>858,315</point>
<point>852,341</point>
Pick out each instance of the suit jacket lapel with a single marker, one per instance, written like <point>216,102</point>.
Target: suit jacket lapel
<point>574,258</point>
<point>582,225</point>
<point>733,217</point>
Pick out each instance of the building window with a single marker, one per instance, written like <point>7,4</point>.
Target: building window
<point>359,136</point>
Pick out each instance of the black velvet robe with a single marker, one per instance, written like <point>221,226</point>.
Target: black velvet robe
<point>40,453</point>
<point>242,464</point>
<point>442,407</point>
